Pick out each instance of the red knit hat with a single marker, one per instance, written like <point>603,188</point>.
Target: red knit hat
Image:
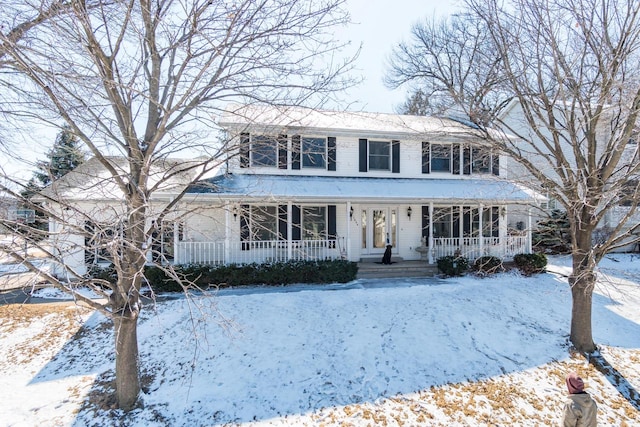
<point>574,383</point>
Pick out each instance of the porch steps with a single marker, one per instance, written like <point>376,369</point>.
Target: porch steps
<point>372,270</point>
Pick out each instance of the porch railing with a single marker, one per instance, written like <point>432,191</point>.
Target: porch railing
<point>217,253</point>
<point>476,247</point>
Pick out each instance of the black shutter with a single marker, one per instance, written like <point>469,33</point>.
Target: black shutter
<point>244,150</point>
<point>331,153</point>
<point>495,167</point>
<point>295,152</point>
<point>363,155</point>
<point>395,156</point>
<point>245,232</point>
<point>456,159</point>
<point>282,222</point>
<point>425,224</point>
<point>466,160</point>
<point>296,228</point>
<point>426,158</point>
<point>332,234</point>
<point>282,151</point>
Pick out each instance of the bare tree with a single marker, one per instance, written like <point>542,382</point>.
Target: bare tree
<point>436,66</point>
<point>140,82</point>
<point>571,67</point>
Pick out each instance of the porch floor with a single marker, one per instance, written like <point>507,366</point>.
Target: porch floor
<point>373,270</point>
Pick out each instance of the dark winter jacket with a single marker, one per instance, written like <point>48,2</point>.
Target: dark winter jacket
<point>579,411</point>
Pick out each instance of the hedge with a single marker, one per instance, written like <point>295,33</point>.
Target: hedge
<point>280,273</point>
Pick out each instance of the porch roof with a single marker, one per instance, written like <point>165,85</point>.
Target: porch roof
<point>361,189</point>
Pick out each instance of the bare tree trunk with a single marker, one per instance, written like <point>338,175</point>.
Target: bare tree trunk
<point>582,282</point>
<point>581,333</point>
<point>127,378</point>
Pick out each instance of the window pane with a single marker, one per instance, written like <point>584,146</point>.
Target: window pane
<point>264,150</point>
<point>314,222</point>
<point>314,152</point>
<point>440,158</point>
<point>441,222</point>
<point>379,155</point>
<point>481,160</point>
<point>379,229</point>
<point>264,223</point>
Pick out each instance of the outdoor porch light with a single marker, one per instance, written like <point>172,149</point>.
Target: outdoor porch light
<point>351,213</point>
<point>409,212</point>
<point>235,212</point>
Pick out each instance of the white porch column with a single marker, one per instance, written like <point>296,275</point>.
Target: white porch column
<point>529,236</point>
<point>481,227</point>
<point>347,215</point>
<point>177,256</point>
<point>227,233</point>
<point>431,248</point>
<point>290,229</point>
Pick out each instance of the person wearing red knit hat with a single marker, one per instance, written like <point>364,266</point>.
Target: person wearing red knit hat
<point>579,409</point>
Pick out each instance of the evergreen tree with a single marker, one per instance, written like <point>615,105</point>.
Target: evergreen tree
<point>63,158</point>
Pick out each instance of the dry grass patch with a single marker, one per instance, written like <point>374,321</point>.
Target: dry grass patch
<point>49,324</point>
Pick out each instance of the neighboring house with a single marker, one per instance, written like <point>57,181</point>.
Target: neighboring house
<point>513,118</point>
<point>8,209</point>
<point>305,184</point>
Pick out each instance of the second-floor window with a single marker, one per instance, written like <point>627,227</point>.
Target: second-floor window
<point>379,155</point>
<point>441,156</point>
<point>314,152</point>
<point>264,150</point>
<point>459,159</point>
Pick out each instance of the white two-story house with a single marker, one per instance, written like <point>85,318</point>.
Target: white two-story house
<point>307,184</point>
<point>302,184</point>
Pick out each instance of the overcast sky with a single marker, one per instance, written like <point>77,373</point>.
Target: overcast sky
<point>379,25</point>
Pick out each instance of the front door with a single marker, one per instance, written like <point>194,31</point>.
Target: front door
<point>378,229</point>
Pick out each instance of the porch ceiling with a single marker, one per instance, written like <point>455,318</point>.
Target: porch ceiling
<point>361,189</point>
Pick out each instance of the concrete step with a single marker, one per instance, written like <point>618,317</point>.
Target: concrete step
<point>372,270</point>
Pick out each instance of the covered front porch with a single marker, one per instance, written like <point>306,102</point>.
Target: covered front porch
<point>246,219</point>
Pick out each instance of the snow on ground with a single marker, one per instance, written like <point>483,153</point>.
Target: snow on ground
<point>454,352</point>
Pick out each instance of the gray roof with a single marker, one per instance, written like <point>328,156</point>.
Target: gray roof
<point>361,189</point>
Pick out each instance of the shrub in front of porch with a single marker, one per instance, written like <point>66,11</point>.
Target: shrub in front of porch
<point>530,264</point>
<point>453,265</point>
<point>487,265</point>
<point>281,273</point>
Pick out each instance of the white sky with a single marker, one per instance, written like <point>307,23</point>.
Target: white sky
<point>380,25</point>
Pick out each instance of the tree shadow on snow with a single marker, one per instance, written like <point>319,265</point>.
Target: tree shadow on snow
<point>359,346</point>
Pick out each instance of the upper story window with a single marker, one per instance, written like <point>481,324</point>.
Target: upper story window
<point>441,156</point>
<point>314,152</point>
<point>287,151</point>
<point>459,159</point>
<point>379,155</point>
<point>264,150</point>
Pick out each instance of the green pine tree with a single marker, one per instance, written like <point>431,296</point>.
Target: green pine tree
<point>64,157</point>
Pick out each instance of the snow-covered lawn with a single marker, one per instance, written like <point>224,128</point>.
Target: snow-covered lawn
<point>454,352</point>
